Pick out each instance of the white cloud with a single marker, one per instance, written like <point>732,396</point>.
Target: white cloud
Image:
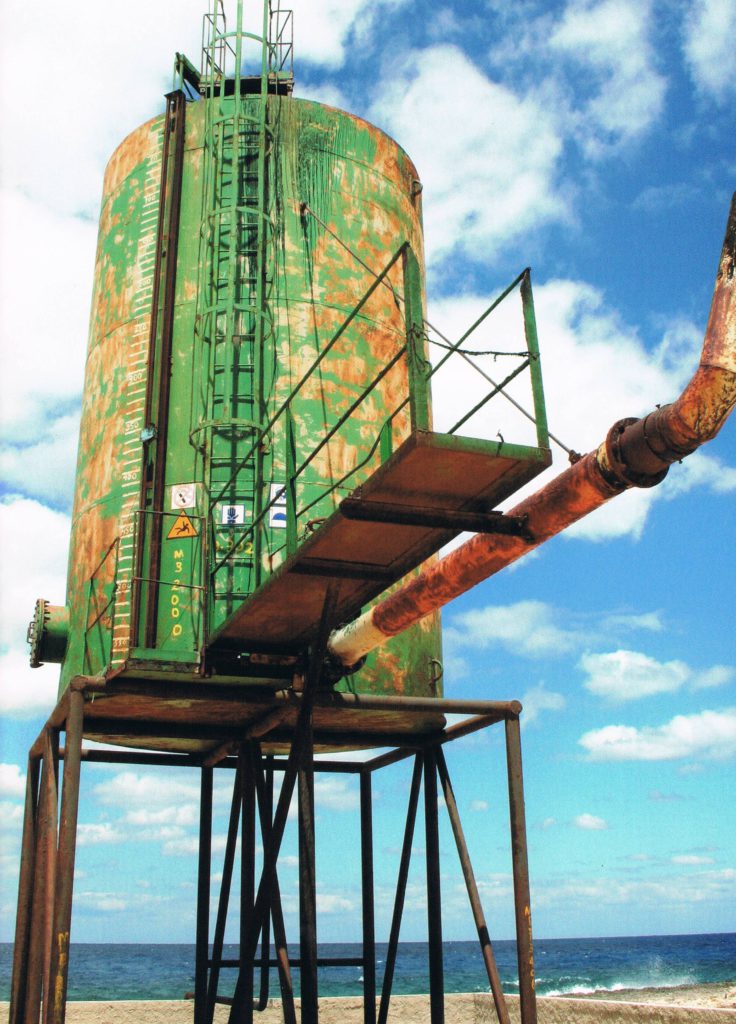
<point>709,31</point>
<point>334,903</point>
<point>714,886</point>
<point>335,794</point>
<point>26,692</point>
<point>145,793</point>
<point>34,544</point>
<point>95,835</point>
<point>590,822</point>
<point>481,806</point>
<point>12,781</point>
<point>691,859</point>
<point>526,627</point>
<point>709,734</point>
<point>650,621</point>
<point>104,902</point>
<point>609,41</point>
<point>630,675</point>
<point>540,699</point>
<point>322,27</point>
<point>505,144</point>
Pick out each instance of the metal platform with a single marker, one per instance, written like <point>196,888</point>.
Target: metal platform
<point>433,487</point>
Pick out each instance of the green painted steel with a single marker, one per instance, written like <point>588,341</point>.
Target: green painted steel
<point>257,350</point>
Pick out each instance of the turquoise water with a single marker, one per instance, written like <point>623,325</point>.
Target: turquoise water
<point>563,966</point>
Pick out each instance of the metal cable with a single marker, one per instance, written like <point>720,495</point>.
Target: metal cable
<point>571,453</point>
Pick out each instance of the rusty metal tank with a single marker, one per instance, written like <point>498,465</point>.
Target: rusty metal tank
<point>247,369</point>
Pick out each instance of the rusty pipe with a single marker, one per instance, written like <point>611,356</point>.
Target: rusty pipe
<point>636,453</point>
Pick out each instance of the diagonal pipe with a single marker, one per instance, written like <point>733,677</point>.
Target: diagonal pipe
<point>636,453</point>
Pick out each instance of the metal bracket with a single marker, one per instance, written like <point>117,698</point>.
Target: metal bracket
<point>439,518</point>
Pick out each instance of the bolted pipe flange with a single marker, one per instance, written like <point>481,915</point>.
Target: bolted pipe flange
<point>48,633</point>
<point>618,457</point>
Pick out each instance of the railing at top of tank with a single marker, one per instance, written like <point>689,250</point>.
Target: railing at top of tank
<point>222,49</point>
<point>419,374</point>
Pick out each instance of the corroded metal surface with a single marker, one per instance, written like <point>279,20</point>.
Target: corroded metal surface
<point>635,453</point>
<point>110,450</point>
<point>359,189</point>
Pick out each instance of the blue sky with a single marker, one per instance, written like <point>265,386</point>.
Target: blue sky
<point>594,141</point>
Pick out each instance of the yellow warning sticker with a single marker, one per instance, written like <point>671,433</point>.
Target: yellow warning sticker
<point>183,527</point>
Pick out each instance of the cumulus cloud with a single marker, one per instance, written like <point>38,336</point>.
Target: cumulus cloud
<point>95,835</point>
<point>630,675</point>
<point>708,734</point>
<point>537,629</point>
<point>145,794</point>
<point>709,30</point>
<point>539,699</point>
<point>335,794</point>
<point>12,781</point>
<point>507,147</point>
<point>609,42</point>
<point>525,627</point>
<point>594,66</point>
<point>590,822</point>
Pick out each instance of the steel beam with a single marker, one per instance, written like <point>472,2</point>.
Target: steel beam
<point>55,997</point>
<point>522,899</point>
<point>204,872</point>
<point>434,893</point>
<point>23,934</point>
<point>473,895</point>
<point>369,928</point>
<point>393,942</point>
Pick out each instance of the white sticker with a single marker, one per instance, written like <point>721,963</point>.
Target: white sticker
<point>184,496</point>
<point>277,512</point>
<point>233,515</point>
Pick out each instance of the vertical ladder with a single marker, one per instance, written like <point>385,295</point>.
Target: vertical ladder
<point>233,321</point>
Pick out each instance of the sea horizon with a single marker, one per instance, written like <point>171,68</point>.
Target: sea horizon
<point>565,966</point>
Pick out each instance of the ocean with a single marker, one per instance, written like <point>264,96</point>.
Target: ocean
<point>563,967</point>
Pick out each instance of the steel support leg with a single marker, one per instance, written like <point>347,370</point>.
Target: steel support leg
<point>264,790</point>
<point>247,879</point>
<point>265,805</point>
<point>55,999</point>
<point>224,900</point>
<point>434,897</point>
<point>307,882</point>
<point>522,901</point>
<point>23,933</point>
<point>473,894</point>
<point>369,929</point>
<point>393,942</point>
<point>203,897</point>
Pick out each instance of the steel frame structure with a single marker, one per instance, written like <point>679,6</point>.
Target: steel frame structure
<point>41,957</point>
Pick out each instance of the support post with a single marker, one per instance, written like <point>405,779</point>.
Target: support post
<point>393,941</point>
<point>203,897</point>
<point>473,894</point>
<point>307,881</point>
<point>26,880</point>
<point>55,998</point>
<point>522,899</point>
<point>265,806</point>
<point>369,929</point>
<point>434,896</point>
<point>224,900</point>
<point>247,877</point>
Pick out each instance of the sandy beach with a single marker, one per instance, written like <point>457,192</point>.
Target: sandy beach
<point>703,1004</point>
